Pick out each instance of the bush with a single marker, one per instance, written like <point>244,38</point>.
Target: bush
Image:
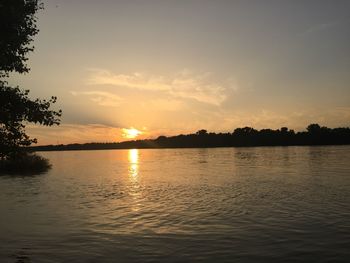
<point>25,164</point>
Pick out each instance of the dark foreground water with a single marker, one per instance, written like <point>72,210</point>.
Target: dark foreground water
<point>268,204</point>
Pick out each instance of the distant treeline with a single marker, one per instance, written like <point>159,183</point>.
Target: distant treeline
<point>247,136</point>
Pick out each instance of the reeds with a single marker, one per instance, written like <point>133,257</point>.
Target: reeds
<point>25,164</point>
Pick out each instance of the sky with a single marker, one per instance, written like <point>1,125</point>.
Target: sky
<point>144,68</point>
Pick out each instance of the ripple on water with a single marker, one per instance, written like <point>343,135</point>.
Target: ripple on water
<point>268,204</point>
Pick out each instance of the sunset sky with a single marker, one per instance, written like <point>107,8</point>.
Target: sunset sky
<point>124,69</point>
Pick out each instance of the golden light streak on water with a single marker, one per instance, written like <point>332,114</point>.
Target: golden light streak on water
<point>134,187</point>
<point>133,158</point>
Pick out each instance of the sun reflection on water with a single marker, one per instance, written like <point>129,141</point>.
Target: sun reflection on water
<point>133,157</point>
<point>134,186</point>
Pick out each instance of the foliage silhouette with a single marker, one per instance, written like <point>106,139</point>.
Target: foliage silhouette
<point>28,164</point>
<point>240,137</point>
<point>17,29</point>
<point>15,109</point>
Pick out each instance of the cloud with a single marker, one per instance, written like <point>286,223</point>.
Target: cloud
<point>101,98</point>
<point>165,105</point>
<point>185,84</point>
<point>135,80</point>
<point>320,27</point>
<point>188,85</point>
<point>74,133</point>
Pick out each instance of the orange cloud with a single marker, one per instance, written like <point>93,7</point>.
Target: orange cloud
<point>185,84</point>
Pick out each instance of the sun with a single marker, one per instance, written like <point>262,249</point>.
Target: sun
<point>130,133</point>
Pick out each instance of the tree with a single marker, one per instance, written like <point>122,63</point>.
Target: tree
<point>313,128</point>
<point>202,132</point>
<point>15,109</point>
<point>284,130</point>
<point>17,29</point>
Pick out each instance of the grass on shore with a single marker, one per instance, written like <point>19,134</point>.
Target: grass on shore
<point>27,164</point>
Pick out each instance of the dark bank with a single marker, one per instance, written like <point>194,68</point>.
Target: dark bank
<point>240,137</point>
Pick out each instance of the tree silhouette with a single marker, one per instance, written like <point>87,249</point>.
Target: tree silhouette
<point>246,137</point>
<point>17,29</point>
<point>313,128</point>
<point>202,132</point>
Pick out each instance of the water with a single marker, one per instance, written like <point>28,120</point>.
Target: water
<point>268,204</point>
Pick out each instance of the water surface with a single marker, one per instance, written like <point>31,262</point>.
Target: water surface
<point>264,204</point>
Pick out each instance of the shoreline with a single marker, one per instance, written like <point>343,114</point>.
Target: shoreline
<point>34,149</point>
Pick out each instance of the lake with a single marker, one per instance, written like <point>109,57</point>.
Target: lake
<point>259,204</point>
